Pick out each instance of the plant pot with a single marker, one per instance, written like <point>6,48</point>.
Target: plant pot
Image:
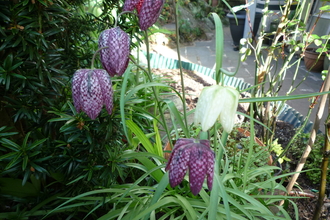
<point>311,60</point>
<point>237,30</point>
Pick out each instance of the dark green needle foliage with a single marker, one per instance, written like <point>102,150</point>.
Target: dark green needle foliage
<point>47,149</point>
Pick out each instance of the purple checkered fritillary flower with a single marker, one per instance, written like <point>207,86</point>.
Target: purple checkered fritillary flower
<point>115,55</point>
<point>149,13</point>
<point>91,89</point>
<point>195,155</point>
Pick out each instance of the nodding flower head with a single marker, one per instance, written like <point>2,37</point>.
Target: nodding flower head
<point>115,55</point>
<point>195,155</point>
<point>217,102</point>
<point>91,89</point>
<point>149,13</point>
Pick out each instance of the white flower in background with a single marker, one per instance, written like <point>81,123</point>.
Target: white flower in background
<point>217,102</point>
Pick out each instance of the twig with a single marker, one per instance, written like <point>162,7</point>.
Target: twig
<point>299,194</point>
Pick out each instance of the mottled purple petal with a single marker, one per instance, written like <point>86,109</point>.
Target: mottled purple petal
<point>197,169</point>
<point>149,13</point>
<point>179,166</point>
<point>181,142</point>
<point>115,58</point>
<point>76,82</point>
<point>91,95</point>
<point>210,162</point>
<point>130,5</point>
<point>210,169</point>
<point>106,89</point>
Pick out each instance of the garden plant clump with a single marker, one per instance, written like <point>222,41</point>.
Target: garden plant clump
<point>65,156</point>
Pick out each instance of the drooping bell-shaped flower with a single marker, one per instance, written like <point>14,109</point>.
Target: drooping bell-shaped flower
<point>195,155</point>
<point>217,102</point>
<point>149,13</point>
<point>115,55</point>
<point>91,89</point>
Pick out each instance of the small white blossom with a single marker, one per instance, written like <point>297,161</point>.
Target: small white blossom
<point>217,102</point>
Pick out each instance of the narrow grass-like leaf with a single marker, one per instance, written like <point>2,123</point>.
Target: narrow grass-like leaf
<point>81,196</point>
<point>164,182</point>
<point>238,206</point>
<point>191,214</point>
<point>219,44</point>
<point>282,98</point>
<point>158,145</point>
<point>137,166</point>
<point>142,137</point>
<point>122,101</point>
<point>149,172</point>
<point>124,210</point>
<point>214,198</point>
<point>165,202</point>
<point>177,115</point>
<point>143,86</point>
<point>224,196</point>
<point>255,204</point>
<point>157,174</point>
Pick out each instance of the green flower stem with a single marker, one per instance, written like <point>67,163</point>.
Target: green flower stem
<point>124,12</point>
<point>94,56</point>
<point>148,72</point>
<point>204,135</point>
<point>180,64</point>
<point>251,145</point>
<point>224,139</point>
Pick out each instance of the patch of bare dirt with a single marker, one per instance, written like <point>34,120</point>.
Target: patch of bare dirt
<point>193,83</point>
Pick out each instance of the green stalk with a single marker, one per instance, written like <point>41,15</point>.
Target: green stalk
<point>155,91</point>
<point>251,144</point>
<point>124,12</point>
<point>180,64</point>
<point>224,139</point>
<point>94,56</point>
<point>203,135</point>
